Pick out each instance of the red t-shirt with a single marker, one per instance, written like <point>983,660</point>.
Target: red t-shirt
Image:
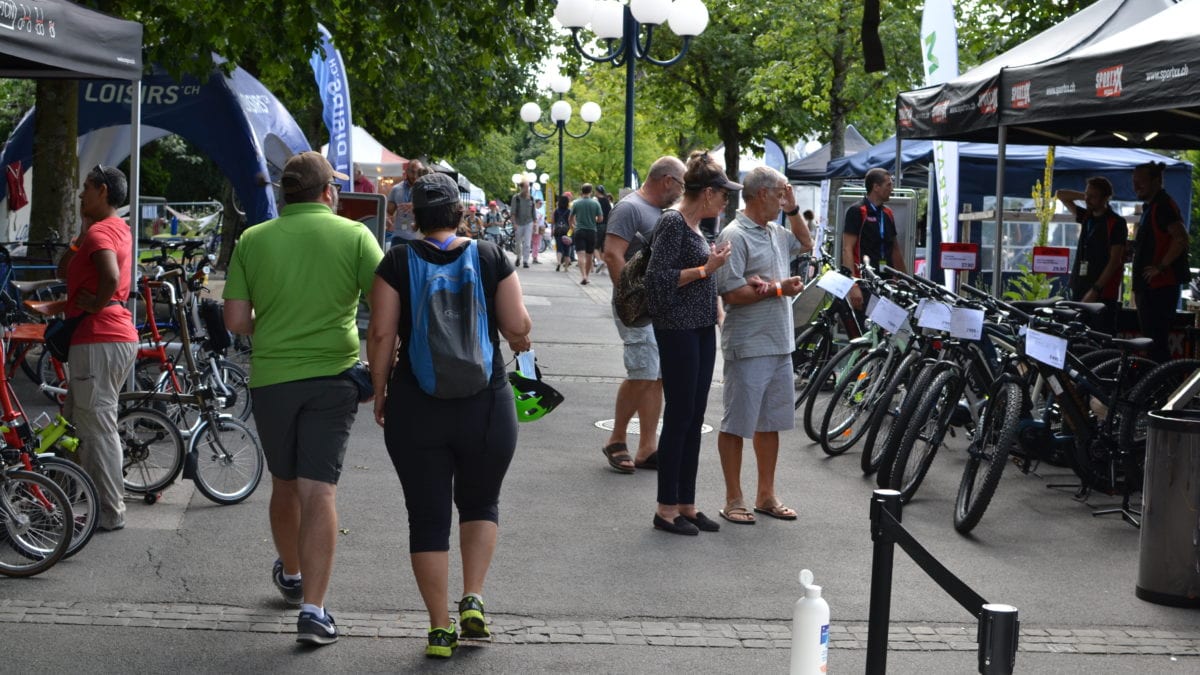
<point>113,323</point>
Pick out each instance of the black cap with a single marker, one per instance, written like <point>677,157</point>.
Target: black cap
<point>435,189</point>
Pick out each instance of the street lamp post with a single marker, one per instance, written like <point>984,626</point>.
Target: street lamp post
<point>560,114</point>
<point>620,26</point>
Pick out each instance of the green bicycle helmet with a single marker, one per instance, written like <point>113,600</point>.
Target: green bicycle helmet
<point>534,398</point>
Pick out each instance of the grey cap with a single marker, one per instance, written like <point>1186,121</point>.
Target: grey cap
<point>435,189</point>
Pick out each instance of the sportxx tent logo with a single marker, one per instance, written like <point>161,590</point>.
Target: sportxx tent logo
<point>905,116</point>
<point>1108,81</point>
<point>1021,95</point>
<point>940,111</point>
<point>989,101</point>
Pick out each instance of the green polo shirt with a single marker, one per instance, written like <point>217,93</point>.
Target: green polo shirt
<point>303,273</point>
<point>586,209</point>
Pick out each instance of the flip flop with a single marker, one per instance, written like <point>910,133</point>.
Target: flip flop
<point>649,464</point>
<point>618,457</point>
<point>777,510</point>
<point>736,512</point>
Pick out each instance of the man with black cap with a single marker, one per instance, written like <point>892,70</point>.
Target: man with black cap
<point>294,284</point>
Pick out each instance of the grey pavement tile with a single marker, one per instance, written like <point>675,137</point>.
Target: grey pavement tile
<point>567,638</point>
<point>721,642</point>
<point>757,644</point>
<point>597,639</point>
<point>630,640</point>
<point>171,623</point>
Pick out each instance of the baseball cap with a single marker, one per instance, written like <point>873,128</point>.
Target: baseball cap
<point>307,170</point>
<point>718,181</point>
<point>435,189</point>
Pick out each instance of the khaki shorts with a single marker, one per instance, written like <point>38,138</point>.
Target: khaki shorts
<point>641,350</point>
<point>758,395</point>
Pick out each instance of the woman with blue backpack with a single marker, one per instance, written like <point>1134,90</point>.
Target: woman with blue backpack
<point>447,370</point>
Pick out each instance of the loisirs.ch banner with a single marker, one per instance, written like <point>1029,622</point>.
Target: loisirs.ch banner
<point>939,51</point>
<point>330,72</point>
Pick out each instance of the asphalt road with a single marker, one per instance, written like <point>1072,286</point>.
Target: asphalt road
<point>577,554</point>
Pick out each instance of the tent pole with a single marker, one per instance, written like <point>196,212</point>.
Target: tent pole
<point>899,166</point>
<point>998,249</point>
<point>135,195</point>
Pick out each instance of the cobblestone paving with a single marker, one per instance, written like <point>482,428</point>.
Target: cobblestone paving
<point>509,629</point>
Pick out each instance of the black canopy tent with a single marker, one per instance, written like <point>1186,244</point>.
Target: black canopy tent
<point>994,111</point>
<point>811,168</point>
<point>58,39</point>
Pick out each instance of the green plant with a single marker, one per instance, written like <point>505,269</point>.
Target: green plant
<point>1030,285</point>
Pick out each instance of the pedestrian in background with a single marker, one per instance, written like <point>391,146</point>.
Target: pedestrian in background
<point>682,297</point>
<point>294,284</point>
<point>585,218</point>
<point>493,221</point>
<point>539,223</point>
<point>606,206</point>
<point>98,267</point>
<point>521,209</point>
<point>562,233</point>
<point>1100,254</point>
<point>440,460</point>
<point>1160,258</point>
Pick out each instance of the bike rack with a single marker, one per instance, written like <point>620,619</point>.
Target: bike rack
<point>998,624</point>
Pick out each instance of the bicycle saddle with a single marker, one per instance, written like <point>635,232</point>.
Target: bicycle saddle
<point>1140,344</point>
<point>1089,307</point>
<point>31,286</point>
<point>1031,306</point>
<point>46,307</point>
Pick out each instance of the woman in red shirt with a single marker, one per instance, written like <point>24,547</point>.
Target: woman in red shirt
<point>98,268</point>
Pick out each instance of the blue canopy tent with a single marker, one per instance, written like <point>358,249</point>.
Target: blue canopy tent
<point>233,119</point>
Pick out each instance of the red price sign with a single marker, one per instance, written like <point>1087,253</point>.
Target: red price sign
<point>960,256</point>
<point>1051,260</point>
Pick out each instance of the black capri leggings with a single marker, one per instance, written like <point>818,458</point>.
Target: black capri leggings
<point>449,449</point>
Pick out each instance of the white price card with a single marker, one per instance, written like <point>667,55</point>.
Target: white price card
<point>526,365</point>
<point>1051,260</point>
<point>1049,349</point>
<point>920,308</point>
<point>966,323</point>
<point>836,283</point>
<point>936,316</point>
<point>890,316</point>
<point>871,302</point>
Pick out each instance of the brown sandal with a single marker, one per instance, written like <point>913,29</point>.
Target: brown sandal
<point>736,512</point>
<point>776,509</point>
<point>618,457</point>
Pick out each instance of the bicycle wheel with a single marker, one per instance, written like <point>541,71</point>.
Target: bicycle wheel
<point>924,433</point>
<point>35,523</point>
<point>229,460</point>
<point>1150,393</point>
<point>829,377</point>
<point>813,346</point>
<point>886,412</point>
<point>47,373</point>
<point>80,490</point>
<point>987,455</point>
<point>895,431</point>
<point>151,448</point>
<point>852,399</point>
<point>230,384</point>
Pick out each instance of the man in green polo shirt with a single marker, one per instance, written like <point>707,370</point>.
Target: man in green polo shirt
<point>294,284</point>
<point>586,216</point>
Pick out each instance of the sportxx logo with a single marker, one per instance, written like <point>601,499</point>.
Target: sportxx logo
<point>1021,95</point>
<point>989,101</point>
<point>940,110</point>
<point>1108,81</point>
<point>905,116</point>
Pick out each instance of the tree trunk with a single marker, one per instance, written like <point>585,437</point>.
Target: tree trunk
<point>54,211</point>
<point>731,137</point>
<point>838,106</point>
<point>233,221</point>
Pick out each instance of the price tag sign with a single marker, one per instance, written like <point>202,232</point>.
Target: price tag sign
<point>871,304</point>
<point>1051,260</point>
<point>966,323</point>
<point>1049,349</point>
<point>526,365</point>
<point>836,283</point>
<point>935,316</point>
<point>960,256</point>
<point>890,316</point>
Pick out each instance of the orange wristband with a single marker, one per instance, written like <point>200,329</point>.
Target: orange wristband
<point>703,272</point>
<point>778,290</point>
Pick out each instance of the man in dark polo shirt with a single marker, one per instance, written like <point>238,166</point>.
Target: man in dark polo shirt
<point>869,231</point>
<point>1160,258</point>
<point>1100,255</point>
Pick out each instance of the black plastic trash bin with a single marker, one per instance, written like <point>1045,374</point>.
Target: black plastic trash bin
<point>1169,564</point>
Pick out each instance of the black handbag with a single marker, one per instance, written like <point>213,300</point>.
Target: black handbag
<point>629,297</point>
<point>58,336</point>
<point>360,375</point>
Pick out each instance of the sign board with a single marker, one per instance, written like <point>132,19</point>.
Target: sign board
<point>836,283</point>
<point>1051,260</point>
<point>960,256</point>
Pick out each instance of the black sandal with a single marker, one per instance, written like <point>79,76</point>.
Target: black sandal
<point>617,455</point>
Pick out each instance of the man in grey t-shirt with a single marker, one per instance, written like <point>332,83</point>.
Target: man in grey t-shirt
<point>641,391</point>
<point>757,340</point>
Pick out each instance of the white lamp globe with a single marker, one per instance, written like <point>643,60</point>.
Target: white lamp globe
<point>608,19</point>
<point>560,84</point>
<point>688,18</point>
<point>574,13</point>
<point>560,112</point>
<point>589,112</point>
<point>517,178</point>
<point>650,12</point>
<point>531,112</point>
<point>530,178</point>
<point>531,164</point>
<point>544,178</point>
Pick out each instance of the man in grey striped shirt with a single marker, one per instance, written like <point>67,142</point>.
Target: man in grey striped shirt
<point>757,339</point>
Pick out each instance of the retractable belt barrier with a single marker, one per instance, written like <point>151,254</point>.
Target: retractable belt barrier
<point>998,624</point>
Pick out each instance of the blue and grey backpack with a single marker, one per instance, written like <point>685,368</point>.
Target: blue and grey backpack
<point>449,348</point>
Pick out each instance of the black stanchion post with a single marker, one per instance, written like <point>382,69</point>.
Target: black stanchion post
<point>882,501</point>
<point>998,631</point>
